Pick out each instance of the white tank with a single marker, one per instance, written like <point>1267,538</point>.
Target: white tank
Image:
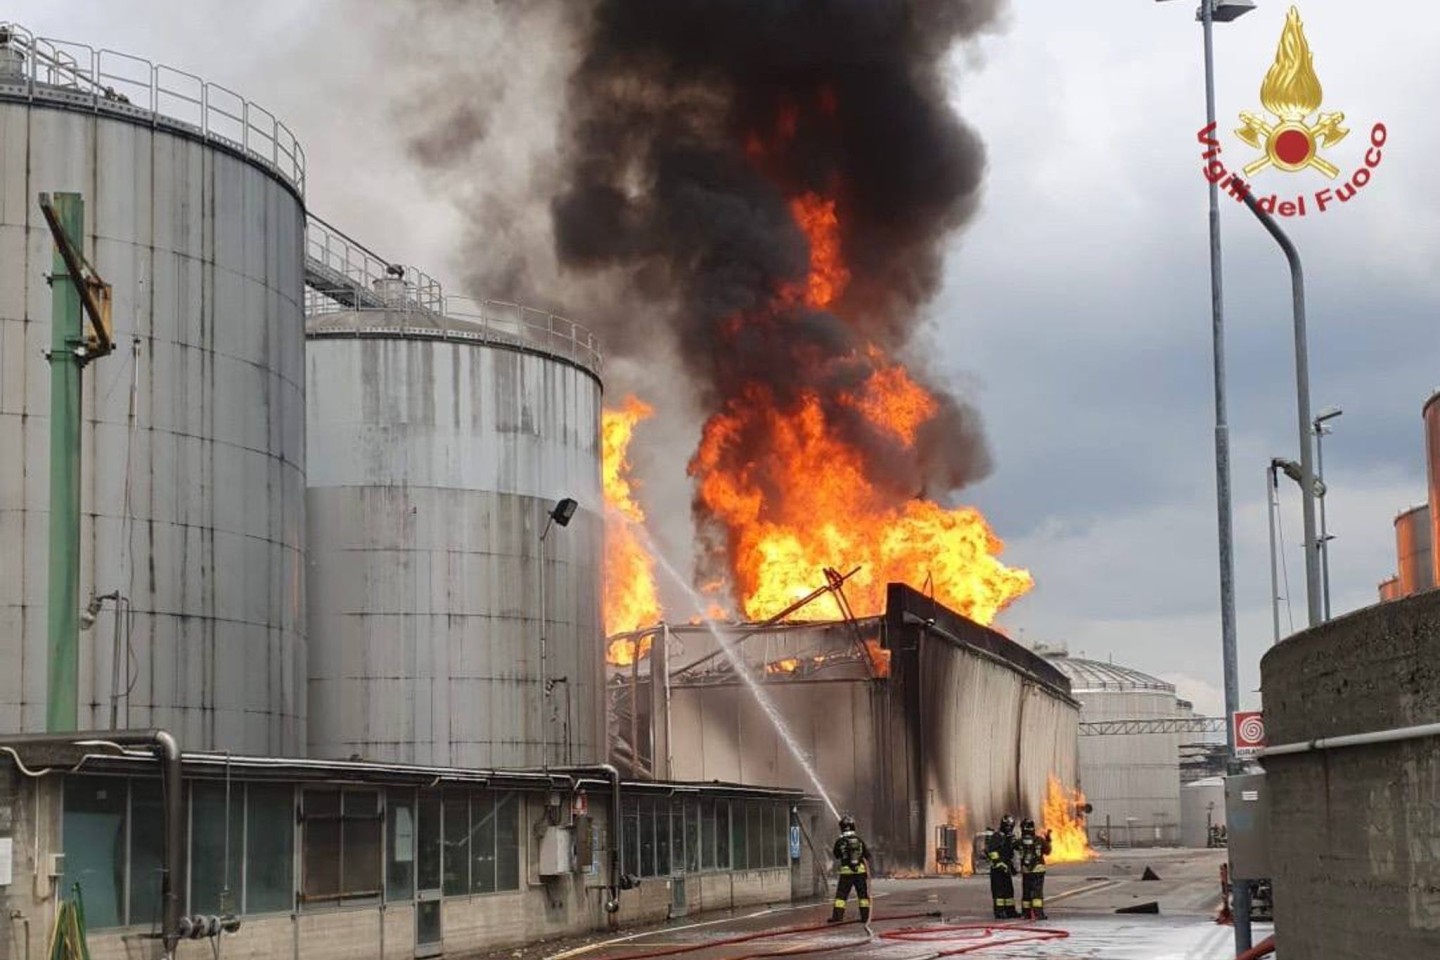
<point>193,510</point>
<point>439,447</point>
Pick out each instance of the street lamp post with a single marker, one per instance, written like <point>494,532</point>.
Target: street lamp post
<point>560,513</point>
<point>1308,486</point>
<point>1272,494</point>
<point>1223,11</point>
<point>1320,431</point>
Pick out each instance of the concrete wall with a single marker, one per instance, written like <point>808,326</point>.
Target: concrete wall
<point>1355,841</point>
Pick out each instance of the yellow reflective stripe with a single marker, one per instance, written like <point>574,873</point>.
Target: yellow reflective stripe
<point>839,904</point>
<point>1038,902</point>
<point>864,902</point>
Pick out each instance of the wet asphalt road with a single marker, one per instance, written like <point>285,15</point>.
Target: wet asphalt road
<point>943,917</point>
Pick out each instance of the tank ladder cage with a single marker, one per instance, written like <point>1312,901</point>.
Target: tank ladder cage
<point>108,81</point>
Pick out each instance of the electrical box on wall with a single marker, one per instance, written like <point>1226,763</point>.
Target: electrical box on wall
<point>556,852</point>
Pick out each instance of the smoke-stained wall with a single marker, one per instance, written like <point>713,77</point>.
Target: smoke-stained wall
<point>966,727</point>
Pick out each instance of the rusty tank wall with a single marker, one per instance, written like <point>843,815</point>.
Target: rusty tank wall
<point>1413,550</point>
<point>438,452</point>
<point>193,510</point>
<point>1431,415</point>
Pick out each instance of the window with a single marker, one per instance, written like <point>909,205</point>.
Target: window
<point>692,836</point>
<point>754,836</point>
<point>269,847</point>
<point>507,842</point>
<point>738,850</point>
<point>482,843</point>
<point>707,834</point>
<point>340,856</point>
<point>93,826</point>
<point>217,856</point>
<point>400,837</point>
<point>456,867</point>
<point>647,838</point>
<point>630,837</point>
<point>147,852</point>
<point>432,841</point>
<point>662,838</point>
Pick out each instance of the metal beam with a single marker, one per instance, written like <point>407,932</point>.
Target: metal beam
<point>1110,728</point>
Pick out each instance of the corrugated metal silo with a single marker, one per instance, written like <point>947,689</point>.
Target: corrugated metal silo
<point>1432,472</point>
<point>192,506</point>
<point>1131,779</point>
<point>1412,550</point>
<point>438,446</point>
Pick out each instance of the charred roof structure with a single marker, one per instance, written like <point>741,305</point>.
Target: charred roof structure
<point>920,722</point>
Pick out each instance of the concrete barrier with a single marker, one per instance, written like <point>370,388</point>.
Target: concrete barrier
<point>1355,830</point>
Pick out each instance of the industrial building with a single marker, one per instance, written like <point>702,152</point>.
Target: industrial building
<point>337,582</point>
<point>923,724</point>
<point>1132,727</point>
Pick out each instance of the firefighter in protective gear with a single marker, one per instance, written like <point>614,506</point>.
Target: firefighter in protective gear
<point>1000,851</point>
<point>1033,851</point>
<point>852,858</point>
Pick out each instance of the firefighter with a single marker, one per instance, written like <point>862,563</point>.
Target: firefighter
<point>1000,851</point>
<point>852,857</point>
<point>1033,851</point>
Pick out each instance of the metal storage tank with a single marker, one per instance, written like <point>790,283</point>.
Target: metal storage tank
<point>439,445</point>
<point>1132,781</point>
<point>1412,550</point>
<point>1431,413</point>
<point>1390,589</point>
<point>1202,805</point>
<point>193,456</point>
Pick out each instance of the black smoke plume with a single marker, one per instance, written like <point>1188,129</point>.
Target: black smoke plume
<point>686,130</point>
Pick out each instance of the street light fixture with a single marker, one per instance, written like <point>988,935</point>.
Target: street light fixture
<point>561,514</point>
<point>1320,430</point>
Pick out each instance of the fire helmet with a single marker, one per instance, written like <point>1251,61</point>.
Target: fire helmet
<point>1007,824</point>
<point>847,822</point>
<point>1027,825</point>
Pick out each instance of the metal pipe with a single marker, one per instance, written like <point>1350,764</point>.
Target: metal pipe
<point>1319,426</point>
<point>1302,403</point>
<point>1393,735</point>
<point>669,729</point>
<point>67,344</point>
<point>616,832</point>
<point>1272,492</point>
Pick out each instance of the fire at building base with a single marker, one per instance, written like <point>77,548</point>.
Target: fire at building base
<point>923,724</point>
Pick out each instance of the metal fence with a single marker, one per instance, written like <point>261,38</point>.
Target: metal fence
<point>108,81</point>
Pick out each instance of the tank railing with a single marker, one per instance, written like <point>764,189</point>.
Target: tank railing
<point>343,274</point>
<point>116,80</point>
<point>504,321</point>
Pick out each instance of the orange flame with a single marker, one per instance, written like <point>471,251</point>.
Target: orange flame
<point>631,599</point>
<point>1069,842</point>
<point>879,658</point>
<point>623,651</point>
<point>829,514</point>
<point>788,665</point>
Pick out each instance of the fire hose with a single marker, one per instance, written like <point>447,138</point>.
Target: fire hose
<point>940,933</point>
<point>1262,949</point>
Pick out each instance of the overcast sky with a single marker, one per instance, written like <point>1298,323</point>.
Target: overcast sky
<point>1075,315</point>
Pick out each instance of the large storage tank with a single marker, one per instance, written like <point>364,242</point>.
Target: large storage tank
<point>1132,780</point>
<point>438,447</point>
<point>192,509</point>
<point>1412,550</point>
<point>1432,473</point>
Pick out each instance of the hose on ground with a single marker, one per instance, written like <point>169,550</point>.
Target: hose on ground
<point>1262,949</point>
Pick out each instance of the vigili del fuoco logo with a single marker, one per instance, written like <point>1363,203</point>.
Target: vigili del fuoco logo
<point>1288,139</point>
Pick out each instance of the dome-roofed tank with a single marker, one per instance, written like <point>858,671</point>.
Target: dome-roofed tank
<point>192,459</point>
<point>1131,779</point>
<point>440,444</point>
